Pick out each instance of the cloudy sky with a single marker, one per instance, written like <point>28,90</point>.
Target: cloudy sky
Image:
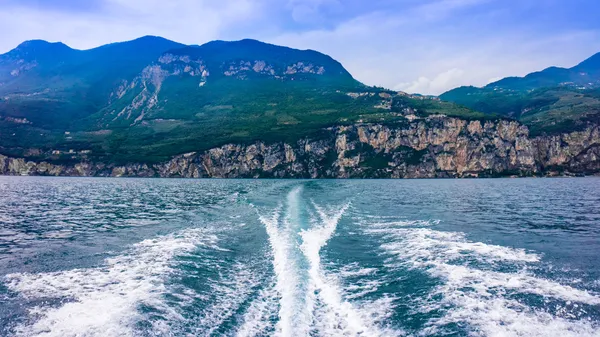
<point>425,46</point>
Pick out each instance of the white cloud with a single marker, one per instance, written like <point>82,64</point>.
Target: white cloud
<point>311,11</point>
<point>493,79</point>
<point>304,13</point>
<point>430,57</point>
<point>439,9</point>
<point>440,83</point>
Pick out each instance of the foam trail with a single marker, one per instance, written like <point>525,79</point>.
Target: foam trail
<point>482,297</point>
<point>295,311</point>
<point>311,301</point>
<point>257,319</point>
<point>338,316</point>
<point>313,241</point>
<point>105,299</point>
<point>425,248</point>
<point>230,292</point>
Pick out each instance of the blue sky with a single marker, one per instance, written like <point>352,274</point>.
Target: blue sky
<point>425,46</point>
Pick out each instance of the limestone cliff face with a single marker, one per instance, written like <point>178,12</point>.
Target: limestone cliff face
<point>422,148</point>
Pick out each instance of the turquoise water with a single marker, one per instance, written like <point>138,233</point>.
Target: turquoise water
<point>151,257</point>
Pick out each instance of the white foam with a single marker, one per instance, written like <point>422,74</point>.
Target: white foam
<point>312,241</point>
<point>482,298</point>
<point>362,281</point>
<point>103,301</point>
<point>422,245</point>
<point>295,307</point>
<point>337,316</point>
<point>257,319</point>
<point>500,316</point>
<point>229,293</point>
<point>311,300</point>
<point>354,270</point>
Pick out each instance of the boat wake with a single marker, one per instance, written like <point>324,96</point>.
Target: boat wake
<point>104,301</point>
<point>312,300</point>
<point>488,288</point>
<point>307,268</point>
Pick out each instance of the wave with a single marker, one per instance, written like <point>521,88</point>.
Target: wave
<point>311,299</point>
<point>359,281</point>
<point>477,290</point>
<point>297,282</point>
<point>104,301</point>
<point>294,304</point>
<point>228,293</point>
<point>258,318</point>
<point>336,316</point>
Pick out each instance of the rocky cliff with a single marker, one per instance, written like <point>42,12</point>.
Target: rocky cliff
<point>431,147</point>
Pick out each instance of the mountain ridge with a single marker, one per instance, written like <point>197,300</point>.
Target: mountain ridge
<point>551,100</point>
<point>147,102</point>
<point>151,95</point>
<point>550,76</point>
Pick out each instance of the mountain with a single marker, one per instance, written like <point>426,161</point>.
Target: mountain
<point>585,75</point>
<point>552,100</point>
<point>150,99</point>
<point>154,107</point>
<point>226,78</point>
<point>52,85</point>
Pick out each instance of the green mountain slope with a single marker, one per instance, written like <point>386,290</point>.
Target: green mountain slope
<point>52,85</point>
<point>552,100</point>
<point>150,99</point>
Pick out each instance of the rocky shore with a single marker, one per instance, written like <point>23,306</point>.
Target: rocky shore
<point>433,147</point>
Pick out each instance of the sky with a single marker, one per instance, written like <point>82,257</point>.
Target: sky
<point>418,46</point>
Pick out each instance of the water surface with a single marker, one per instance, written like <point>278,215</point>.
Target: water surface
<point>154,257</point>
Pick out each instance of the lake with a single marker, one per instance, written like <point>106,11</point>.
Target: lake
<point>160,257</point>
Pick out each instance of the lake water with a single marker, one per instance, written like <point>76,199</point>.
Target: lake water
<point>153,257</point>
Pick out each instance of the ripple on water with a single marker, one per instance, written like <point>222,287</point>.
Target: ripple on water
<point>337,258</point>
<point>492,302</point>
<point>104,301</point>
